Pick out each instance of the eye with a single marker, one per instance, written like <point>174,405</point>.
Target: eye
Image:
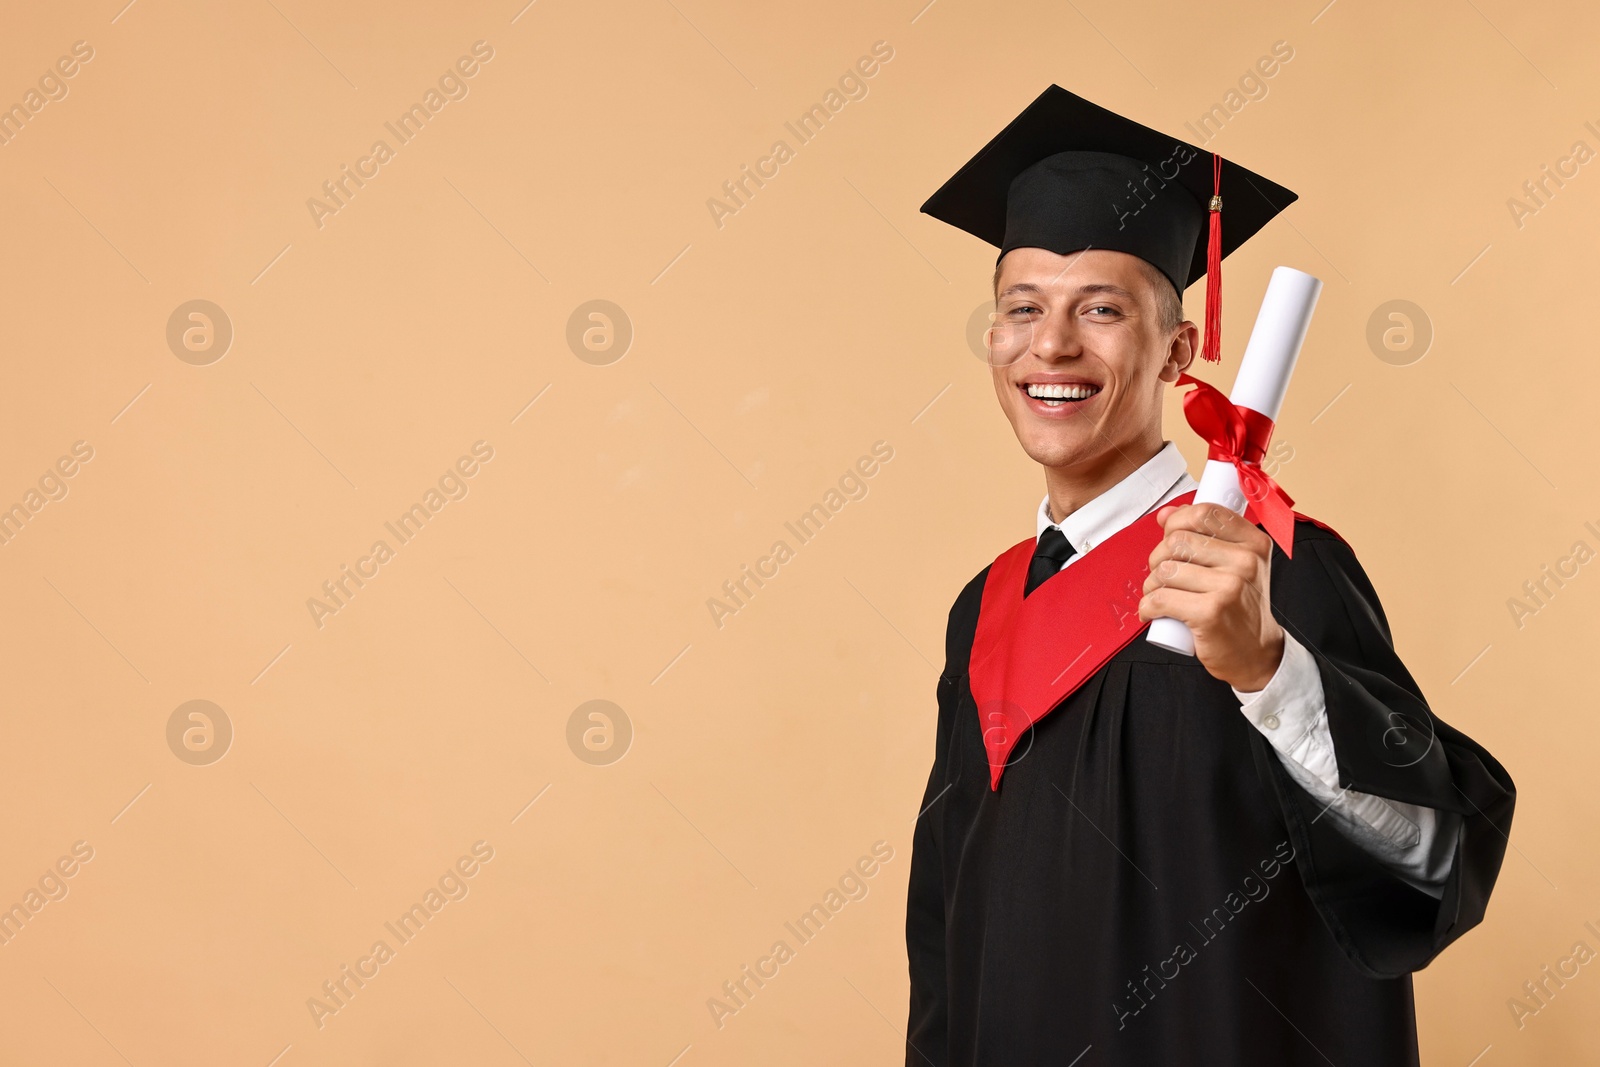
<point>1107,308</point>
<point>1021,309</point>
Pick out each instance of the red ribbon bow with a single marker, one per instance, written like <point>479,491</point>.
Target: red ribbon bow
<point>1239,435</point>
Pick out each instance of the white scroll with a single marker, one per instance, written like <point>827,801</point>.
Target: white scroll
<point>1263,379</point>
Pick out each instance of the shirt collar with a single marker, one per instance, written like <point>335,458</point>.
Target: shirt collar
<point>1162,477</point>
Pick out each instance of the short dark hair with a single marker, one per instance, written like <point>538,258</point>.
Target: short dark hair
<point>1169,304</point>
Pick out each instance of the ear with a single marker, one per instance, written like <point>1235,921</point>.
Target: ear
<point>1180,353</point>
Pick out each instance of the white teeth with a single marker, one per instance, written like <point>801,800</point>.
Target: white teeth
<point>1056,391</point>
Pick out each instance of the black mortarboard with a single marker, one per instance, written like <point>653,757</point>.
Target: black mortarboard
<point>1068,175</point>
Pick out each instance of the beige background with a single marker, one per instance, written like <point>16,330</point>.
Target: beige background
<point>767,356</point>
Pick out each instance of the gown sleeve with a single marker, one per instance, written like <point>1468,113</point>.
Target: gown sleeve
<point>1291,712</point>
<point>1388,743</point>
<point>928,1023</point>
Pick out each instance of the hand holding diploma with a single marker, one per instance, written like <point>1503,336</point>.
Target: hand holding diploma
<point>1210,576</point>
<point>1211,570</point>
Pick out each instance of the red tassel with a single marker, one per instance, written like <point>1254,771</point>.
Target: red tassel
<point>1212,347</point>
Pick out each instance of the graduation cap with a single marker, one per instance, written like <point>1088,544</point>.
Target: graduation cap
<point>1068,175</point>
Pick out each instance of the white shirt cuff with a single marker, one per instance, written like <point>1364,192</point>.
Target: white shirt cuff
<point>1291,713</point>
<point>1291,703</point>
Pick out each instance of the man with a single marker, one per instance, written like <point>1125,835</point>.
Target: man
<point>1127,856</point>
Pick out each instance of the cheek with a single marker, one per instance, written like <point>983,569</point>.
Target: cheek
<point>1136,395</point>
<point>1138,369</point>
<point>1003,389</point>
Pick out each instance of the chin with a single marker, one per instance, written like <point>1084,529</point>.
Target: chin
<point>1056,450</point>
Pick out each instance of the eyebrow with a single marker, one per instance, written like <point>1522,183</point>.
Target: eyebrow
<point>1106,287</point>
<point>1082,290</point>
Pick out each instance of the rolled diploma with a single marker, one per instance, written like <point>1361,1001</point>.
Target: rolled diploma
<point>1263,379</point>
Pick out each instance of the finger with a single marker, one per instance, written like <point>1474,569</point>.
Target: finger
<point>1190,608</point>
<point>1214,520</point>
<point>1193,578</point>
<point>1188,546</point>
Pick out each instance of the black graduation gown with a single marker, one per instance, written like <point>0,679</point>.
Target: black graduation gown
<point>1149,886</point>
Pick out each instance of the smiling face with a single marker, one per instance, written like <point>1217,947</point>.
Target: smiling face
<point>1079,354</point>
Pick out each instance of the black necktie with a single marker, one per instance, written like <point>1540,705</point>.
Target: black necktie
<point>1049,554</point>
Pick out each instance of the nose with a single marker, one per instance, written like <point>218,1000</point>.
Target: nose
<point>1055,338</point>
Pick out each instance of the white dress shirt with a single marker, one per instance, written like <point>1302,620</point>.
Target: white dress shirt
<point>1417,843</point>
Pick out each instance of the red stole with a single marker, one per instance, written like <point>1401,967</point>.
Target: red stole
<point>1029,654</point>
